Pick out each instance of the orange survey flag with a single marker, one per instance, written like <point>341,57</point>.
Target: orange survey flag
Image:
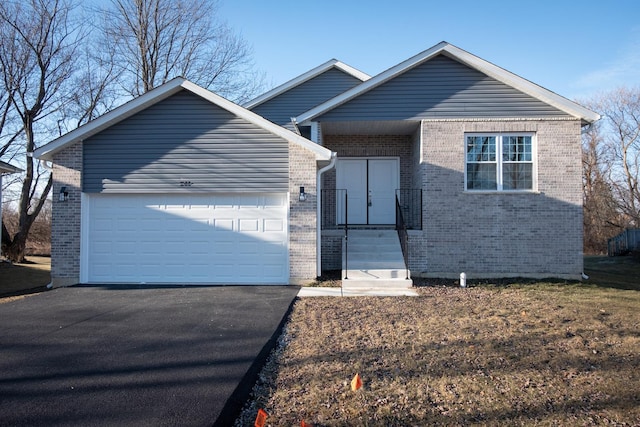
<point>356,382</point>
<point>261,419</point>
<point>303,424</point>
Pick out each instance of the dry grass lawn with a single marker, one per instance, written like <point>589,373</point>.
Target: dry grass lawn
<point>621,272</point>
<point>543,354</point>
<point>21,279</point>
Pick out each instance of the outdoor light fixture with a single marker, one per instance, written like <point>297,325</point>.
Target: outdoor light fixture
<point>64,194</point>
<point>303,195</point>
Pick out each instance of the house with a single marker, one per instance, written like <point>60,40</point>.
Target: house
<point>5,168</point>
<point>480,166</point>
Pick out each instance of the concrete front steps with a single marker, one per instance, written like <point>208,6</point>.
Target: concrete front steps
<point>374,260</point>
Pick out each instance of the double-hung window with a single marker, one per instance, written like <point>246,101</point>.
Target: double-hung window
<point>500,162</point>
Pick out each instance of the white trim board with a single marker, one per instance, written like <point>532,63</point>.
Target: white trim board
<point>468,59</point>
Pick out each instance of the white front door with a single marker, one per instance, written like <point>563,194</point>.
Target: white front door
<point>371,187</point>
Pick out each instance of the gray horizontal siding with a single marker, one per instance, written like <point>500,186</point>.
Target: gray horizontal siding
<point>185,138</point>
<point>441,88</point>
<point>306,96</point>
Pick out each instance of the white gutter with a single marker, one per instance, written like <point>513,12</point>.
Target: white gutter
<point>330,166</point>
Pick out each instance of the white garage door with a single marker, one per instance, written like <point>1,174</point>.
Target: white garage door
<point>194,239</point>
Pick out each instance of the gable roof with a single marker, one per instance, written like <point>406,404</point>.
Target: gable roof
<point>160,93</point>
<point>279,90</point>
<point>7,168</point>
<point>479,64</point>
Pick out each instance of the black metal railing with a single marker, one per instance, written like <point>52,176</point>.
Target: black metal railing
<point>346,237</point>
<point>333,215</point>
<point>401,228</point>
<point>410,200</point>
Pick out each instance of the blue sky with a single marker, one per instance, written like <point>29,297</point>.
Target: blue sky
<point>574,48</point>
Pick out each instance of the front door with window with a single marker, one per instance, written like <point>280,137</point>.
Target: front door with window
<point>371,186</point>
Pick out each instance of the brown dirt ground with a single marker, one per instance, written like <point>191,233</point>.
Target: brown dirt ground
<point>540,354</point>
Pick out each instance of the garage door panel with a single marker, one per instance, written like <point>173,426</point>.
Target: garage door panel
<point>248,225</point>
<point>223,249</point>
<point>273,250</point>
<point>223,224</point>
<point>187,239</point>
<point>273,224</point>
<point>151,248</point>
<point>200,248</point>
<point>248,201</point>
<point>249,249</point>
<point>128,247</point>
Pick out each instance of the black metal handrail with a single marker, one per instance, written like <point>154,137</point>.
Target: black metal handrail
<point>330,215</point>
<point>410,200</point>
<point>401,228</point>
<point>332,209</point>
<point>346,236</point>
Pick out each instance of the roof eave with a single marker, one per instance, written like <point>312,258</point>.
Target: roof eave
<point>154,96</point>
<point>320,152</point>
<point>6,168</point>
<point>532,89</point>
<point>307,117</point>
<point>500,74</point>
<point>110,118</point>
<point>333,63</point>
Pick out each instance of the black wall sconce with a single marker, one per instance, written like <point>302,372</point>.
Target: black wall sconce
<point>303,195</point>
<point>64,194</point>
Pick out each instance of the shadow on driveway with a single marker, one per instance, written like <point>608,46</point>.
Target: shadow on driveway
<point>96,356</point>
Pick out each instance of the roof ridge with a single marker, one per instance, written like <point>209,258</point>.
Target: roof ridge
<point>466,58</point>
<point>304,77</point>
<point>159,94</point>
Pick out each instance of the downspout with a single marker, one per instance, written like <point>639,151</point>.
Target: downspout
<point>294,122</point>
<point>586,128</point>
<point>321,171</point>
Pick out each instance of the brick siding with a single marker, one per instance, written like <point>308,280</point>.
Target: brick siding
<point>332,249</point>
<point>498,234</point>
<point>65,221</point>
<point>372,146</point>
<point>302,215</point>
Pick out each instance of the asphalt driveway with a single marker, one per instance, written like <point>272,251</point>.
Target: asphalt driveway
<point>98,356</point>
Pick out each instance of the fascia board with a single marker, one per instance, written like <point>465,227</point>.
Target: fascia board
<point>306,118</point>
<point>306,77</point>
<point>472,61</point>
<point>109,119</point>
<point>156,95</point>
<point>352,71</point>
<point>6,168</point>
<point>522,84</point>
<point>320,152</point>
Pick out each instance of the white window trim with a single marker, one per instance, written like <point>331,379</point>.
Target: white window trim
<point>499,162</point>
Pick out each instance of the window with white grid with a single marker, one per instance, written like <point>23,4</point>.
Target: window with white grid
<point>500,162</point>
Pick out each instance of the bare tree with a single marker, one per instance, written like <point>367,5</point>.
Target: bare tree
<point>96,76</point>
<point>601,217</point>
<point>611,167</point>
<point>621,109</point>
<point>157,40</point>
<point>36,60</point>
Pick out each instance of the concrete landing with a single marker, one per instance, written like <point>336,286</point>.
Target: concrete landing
<point>354,292</point>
